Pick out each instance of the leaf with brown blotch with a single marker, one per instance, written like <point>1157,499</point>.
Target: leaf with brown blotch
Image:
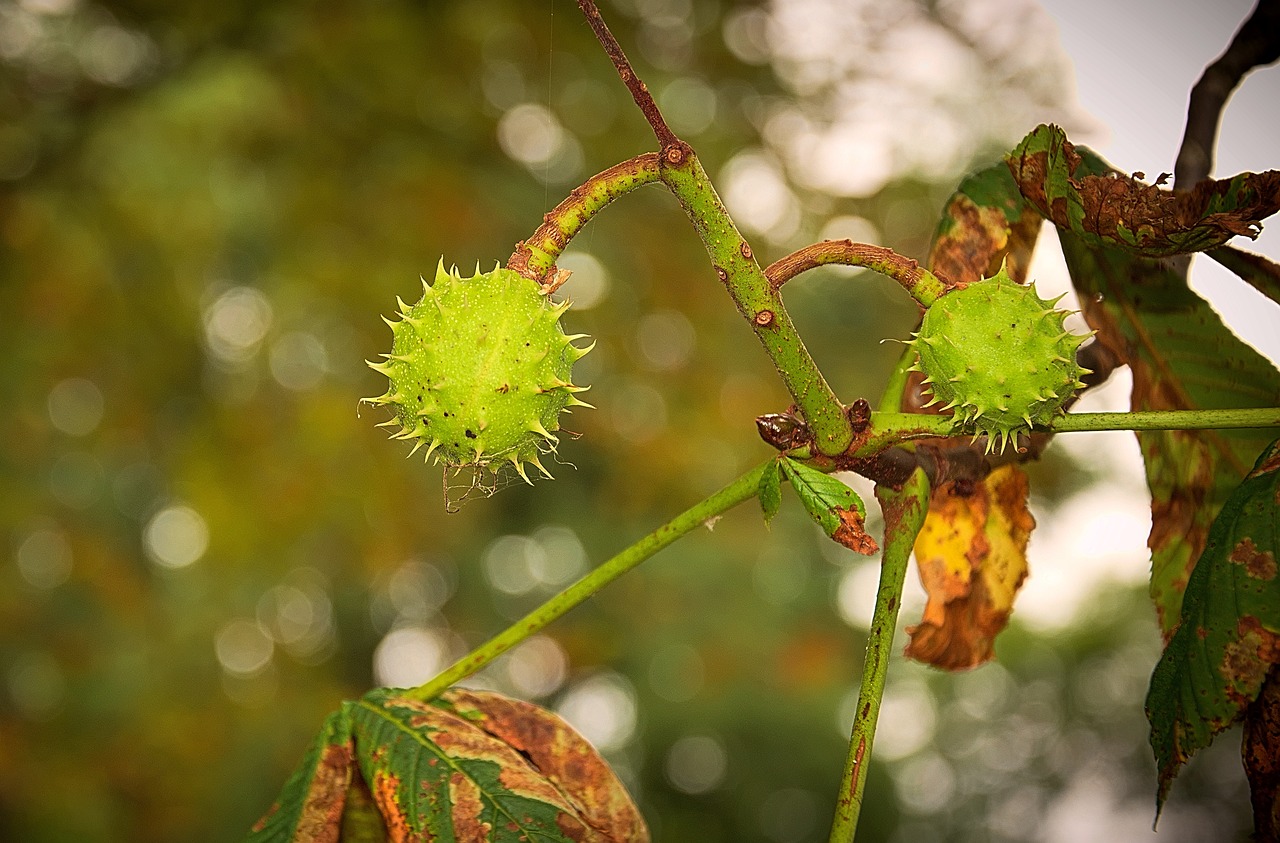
<point>832,505</point>
<point>470,766</point>
<point>1228,636</point>
<point>986,224</point>
<point>1114,210</point>
<point>562,755</point>
<point>972,558</point>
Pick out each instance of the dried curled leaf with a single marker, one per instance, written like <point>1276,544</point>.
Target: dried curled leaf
<point>972,557</point>
<point>470,766</point>
<point>1119,211</point>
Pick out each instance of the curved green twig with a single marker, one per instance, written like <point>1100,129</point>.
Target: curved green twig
<point>700,513</point>
<point>923,285</point>
<point>534,258</point>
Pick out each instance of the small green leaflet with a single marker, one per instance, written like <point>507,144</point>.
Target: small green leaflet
<point>1229,635</point>
<point>468,766</point>
<point>770,490</point>
<point>835,507</point>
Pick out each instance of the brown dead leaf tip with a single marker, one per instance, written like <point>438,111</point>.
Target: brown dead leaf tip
<point>852,533</point>
<point>1261,565</point>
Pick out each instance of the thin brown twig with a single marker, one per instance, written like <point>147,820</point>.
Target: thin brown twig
<point>918,281</point>
<point>1256,43</point>
<point>639,91</point>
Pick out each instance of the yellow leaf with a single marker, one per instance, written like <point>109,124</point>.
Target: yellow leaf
<point>972,557</point>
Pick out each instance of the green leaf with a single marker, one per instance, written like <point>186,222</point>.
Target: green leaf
<point>1113,210</point>
<point>310,807</point>
<point>468,766</point>
<point>1229,634</point>
<point>770,491</point>
<point>835,507</point>
<point>1255,270</point>
<point>1182,358</point>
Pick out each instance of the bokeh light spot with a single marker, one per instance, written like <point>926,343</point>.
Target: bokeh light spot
<point>243,647</point>
<point>530,133</point>
<point>75,406</point>
<point>696,764</point>
<point>298,361</point>
<point>588,283</point>
<point>408,656</point>
<point>176,536</point>
<point>44,558</point>
<point>37,685</point>
<point>537,667</point>
<point>603,709</point>
<point>666,339</point>
<point>907,721</point>
<point>638,411</point>
<point>236,323</point>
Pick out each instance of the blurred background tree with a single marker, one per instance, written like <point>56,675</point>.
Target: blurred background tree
<point>203,208</point>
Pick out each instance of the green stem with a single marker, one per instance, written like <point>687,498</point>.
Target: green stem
<point>757,299</point>
<point>923,285</point>
<point>896,387</point>
<point>536,257</point>
<point>904,513</point>
<point>1168,420</point>
<point>700,513</point>
<point>889,428</point>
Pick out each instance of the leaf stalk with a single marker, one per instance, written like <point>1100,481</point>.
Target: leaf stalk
<point>741,489</point>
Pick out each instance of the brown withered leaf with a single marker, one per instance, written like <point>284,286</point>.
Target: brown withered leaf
<point>986,224</point>
<point>468,766</point>
<point>972,557</point>
<point>561,755</point>
<point>1115,210</point>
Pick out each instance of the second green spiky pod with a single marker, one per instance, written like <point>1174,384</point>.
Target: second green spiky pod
<point>480,370</point>
<point>998,354</point>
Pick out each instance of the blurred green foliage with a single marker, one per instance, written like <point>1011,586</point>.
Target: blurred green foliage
<point>204,208</point>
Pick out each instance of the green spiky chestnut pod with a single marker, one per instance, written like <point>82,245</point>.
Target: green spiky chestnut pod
<point>998,355</point>
<point>480,370</point>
